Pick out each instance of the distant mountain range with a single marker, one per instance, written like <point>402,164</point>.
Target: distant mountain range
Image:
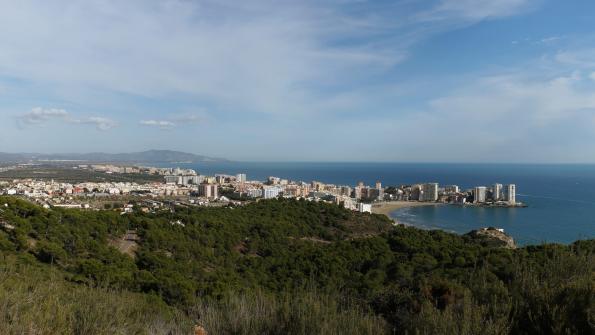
<point>150,156</point>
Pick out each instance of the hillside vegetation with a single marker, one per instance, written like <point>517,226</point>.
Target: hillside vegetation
<point>37,299</point>
<point>276,267</point>
<point>67,174</point>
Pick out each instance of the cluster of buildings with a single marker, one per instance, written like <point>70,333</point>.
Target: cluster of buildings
<point>44,189</point>
<point>7,168</point>
<point>237,186</point>
<point>108,168</point>
<point>221,188</point>
<point>497,194</point>
<point>111,168</point>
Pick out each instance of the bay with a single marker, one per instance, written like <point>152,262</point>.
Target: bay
<point>561,198</point>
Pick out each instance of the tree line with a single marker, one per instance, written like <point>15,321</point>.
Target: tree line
<point>401,279</point>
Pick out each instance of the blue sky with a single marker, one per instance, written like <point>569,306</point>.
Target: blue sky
<point>326,80</point>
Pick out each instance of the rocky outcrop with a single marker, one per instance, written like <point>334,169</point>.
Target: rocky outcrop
<point>492,237</point>
<point>199,330</point>
<point>127,244</point>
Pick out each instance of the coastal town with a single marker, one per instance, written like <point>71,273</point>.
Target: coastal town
<point>187,187</point>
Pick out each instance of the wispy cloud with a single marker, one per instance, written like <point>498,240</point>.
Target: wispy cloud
<point>161,124</point>
<point>176,120</point>
<point>528,115</point>
<point>476,9</point>
<point>189,118</point>
<point>545,41</point>
<point>550,39</point>
<point>100,123</point>
<point>324,67</point>
<point>255,55</point>
<point>536,101</point>
<point>252,57</point>
<point>583,58</point>
<point>41,116</point>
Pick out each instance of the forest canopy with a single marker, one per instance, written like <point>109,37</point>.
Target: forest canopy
<point>297,253</point>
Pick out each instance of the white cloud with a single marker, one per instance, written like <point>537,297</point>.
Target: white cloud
<point>100,123</point>
<point>194,118</point>
<point>322,67</point>
<point>546,41</point>
<point>550,40</point>
<point>162,124</point>
<point>255,56</point>
<point>177,120</point>
<point>578,58</point>
<point>40,116</point>
<point>535,102</point>
<point>476,9</point>
<point>518,117</point>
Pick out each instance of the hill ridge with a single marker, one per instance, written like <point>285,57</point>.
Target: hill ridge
<point>147,156</point>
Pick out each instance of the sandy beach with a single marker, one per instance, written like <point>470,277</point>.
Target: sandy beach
<point>387,207</point>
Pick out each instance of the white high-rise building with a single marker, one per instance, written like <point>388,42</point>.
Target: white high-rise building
<point>479,194</point>
<point>269,192</point>
<point>429,192</point>
<point>379,190</point>
<point>188,180</point>
<point>497,192</point>
<point>364,208</point>
<point>254,192</point>
<point>208,191</point>
<point>346,190</point>
<point>171,179</point>
<point>241,177</point>
<point>511,193</point>
<point>357,192</point>
<point>451,189</point>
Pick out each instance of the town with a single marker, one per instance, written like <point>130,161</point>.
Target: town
<point>186,187</point>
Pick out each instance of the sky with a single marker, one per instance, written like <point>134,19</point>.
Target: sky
<point>310,80</point>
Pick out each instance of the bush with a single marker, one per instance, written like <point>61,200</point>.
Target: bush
<point>37,300</point>
<point>305,312</point>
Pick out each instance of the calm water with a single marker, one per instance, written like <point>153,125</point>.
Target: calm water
<point>561,198</point>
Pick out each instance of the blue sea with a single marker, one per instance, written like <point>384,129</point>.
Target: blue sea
<point>561,198</point>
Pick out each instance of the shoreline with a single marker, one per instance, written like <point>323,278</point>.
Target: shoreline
<point>388,207</point>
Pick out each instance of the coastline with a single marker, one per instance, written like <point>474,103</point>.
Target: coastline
<point>388,207</point>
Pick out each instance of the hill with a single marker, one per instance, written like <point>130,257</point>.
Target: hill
<point>39,299</point>
<point>150,156</point>
<point>287,266</point>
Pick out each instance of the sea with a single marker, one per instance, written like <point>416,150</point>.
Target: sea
<point>560,198</point>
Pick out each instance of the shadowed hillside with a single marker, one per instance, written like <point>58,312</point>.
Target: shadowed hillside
<point>287,266</point>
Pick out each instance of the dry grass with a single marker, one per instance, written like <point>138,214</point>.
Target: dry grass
<point>302,313</point>
<point>32,302</point>
<point>38,301</point>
